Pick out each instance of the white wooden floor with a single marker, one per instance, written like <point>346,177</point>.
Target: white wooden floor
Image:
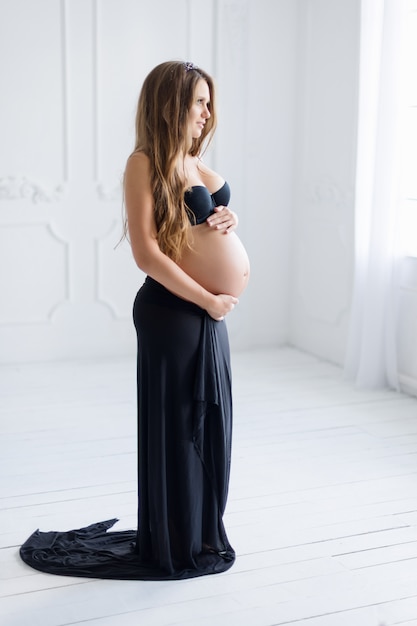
<point>322,509</point>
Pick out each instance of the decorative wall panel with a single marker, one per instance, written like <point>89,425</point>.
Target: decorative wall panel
<point>34,276</point>
<point>22,188</point>
<point>118,277</point>
<point>322,242</point>
<point>33,120</point>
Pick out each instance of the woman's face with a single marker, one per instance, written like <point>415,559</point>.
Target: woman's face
<point>199,111</point>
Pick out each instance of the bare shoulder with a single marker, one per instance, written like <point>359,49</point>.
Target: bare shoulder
<point>138,162</point>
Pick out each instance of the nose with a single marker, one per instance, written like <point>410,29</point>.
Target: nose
<point>206,112</point>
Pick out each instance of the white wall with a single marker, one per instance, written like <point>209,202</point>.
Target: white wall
<point>287,75</point>
<point>74,70</point>
<point>324,176</point>
<point>256,70</point>
<point>407,326</point>
<point>324,179</point>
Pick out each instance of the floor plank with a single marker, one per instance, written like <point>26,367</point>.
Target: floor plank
<point>322,508</point>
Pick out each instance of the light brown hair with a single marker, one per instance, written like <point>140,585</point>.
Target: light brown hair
<point>161,133</point>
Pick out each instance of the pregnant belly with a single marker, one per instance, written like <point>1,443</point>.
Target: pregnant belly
<point>217,261</point>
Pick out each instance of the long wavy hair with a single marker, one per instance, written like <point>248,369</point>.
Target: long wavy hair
<point>162,134</point>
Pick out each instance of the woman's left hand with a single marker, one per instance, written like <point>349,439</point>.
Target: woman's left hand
<point>223,219</point>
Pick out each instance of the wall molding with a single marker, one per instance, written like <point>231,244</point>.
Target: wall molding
<point>237,14</point>
<point>54,287</point>
<point>325,191</point>
<point>64,88</point>
<point>102,291</point>
<point>109,194</point>
<point>24,188</point>
<point>95,89</point>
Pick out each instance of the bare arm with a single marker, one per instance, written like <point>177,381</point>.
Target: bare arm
<point>145,248</point>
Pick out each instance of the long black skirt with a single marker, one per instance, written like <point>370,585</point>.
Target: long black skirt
<point>184,450</point>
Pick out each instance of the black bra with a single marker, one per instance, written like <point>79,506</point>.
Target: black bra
<point>201,203</point>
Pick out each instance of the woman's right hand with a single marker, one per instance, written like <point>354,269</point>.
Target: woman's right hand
<point>221,305</point>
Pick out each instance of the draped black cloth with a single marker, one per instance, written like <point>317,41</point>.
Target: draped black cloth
<point>184,450</point>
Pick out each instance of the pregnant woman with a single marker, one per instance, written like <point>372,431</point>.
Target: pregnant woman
<point>181,233</point>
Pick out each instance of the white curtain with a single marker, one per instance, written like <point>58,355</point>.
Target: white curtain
<point>371,359</point>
